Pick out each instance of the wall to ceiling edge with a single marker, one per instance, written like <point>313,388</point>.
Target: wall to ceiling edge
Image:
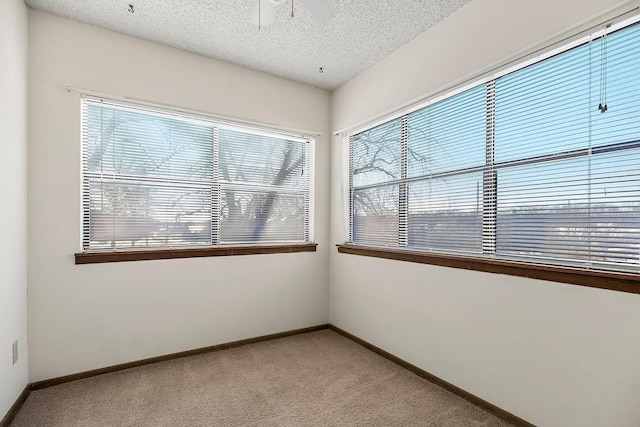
<point>84,317</point>
<point>13,200</point>
<point>553,354</point>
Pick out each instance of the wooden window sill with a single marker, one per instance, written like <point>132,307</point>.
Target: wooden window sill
<point>151,254</point>
<point>623,282</point>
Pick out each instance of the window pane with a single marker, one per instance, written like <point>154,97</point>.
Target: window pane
<point>448,135</point>
<point>127,215</point>
<point>375,216</point>
<point>564,186</point>
<point>131,142</point>
<point>544,108</point>
<point>250,216</point>
<point>263,190</point>
<point>445,214</point>
<point>152,179</point>
<point>543,210</point>
<point>615,212</point>
<point>258,159</point>
<point>376,154</point>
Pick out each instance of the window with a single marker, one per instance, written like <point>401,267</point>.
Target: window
<point>539,165</point>
<point>157,180</point>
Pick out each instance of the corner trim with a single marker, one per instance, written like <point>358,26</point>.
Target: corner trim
<point>471,398</point>
<point>38,385</point>
<point>16,406</point>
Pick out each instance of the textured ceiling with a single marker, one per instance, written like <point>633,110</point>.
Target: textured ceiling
<point>360,33</point>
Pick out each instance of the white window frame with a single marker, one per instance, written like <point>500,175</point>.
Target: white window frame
<point>216,124</point>
<point>414,255</point>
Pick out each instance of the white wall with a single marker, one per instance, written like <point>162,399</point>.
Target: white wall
<point>13,197</point>
<point>89,316</point>
<point>553,354</point>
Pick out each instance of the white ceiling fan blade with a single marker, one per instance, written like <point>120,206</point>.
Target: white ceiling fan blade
<point>319,9</point>
<point>264,13</point>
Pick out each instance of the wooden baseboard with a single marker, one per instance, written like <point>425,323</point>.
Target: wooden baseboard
<point>507,416</point>
<point>87,374</point>
<point>489,407</point>
<point>15,407</point>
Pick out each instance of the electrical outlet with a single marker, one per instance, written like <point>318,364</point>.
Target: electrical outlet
<point>15,351</point>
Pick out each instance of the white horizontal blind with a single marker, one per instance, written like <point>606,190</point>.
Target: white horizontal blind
<point>437,153</point>
<point>375,174</point>
<point>446,159</point>
<point>153,179</point>
<point>264,183</point>
<point>542,165</point>
<point>567,138</point>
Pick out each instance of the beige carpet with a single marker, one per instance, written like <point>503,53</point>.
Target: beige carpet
<point>314,379</point>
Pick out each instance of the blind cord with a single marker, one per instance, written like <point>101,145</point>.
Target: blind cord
<point>602,106</point>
